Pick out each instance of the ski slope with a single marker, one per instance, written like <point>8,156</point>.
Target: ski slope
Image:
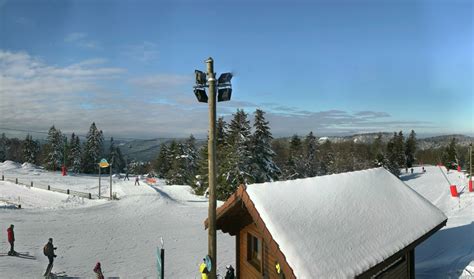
<point>124,234</point>
<point>450,252</point>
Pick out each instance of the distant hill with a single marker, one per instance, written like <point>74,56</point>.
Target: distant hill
<point>423,143</point>
<point>144,150</point>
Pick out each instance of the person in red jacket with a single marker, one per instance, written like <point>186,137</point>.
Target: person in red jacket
<point>11,240</point>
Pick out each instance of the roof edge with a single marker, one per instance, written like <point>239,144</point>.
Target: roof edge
<point>368,273</point>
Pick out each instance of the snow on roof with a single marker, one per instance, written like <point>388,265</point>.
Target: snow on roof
<point>342,225</point>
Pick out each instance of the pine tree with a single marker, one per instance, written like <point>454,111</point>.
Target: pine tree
<point>378,152</point>
<point>392,161</point>
<point>75,154</point>
<point>93,149</point>
<point>202,182</point>
<point>450,155</point>
<point>264,168</point>
<point>171,158</point>
<point>410,149</point>
<point>327,164</point>
<point>54,149</point>
<point>162,165</point>
<point>115,157</point>
<point>399,149</point>
<point>295,166</point>
<point>237,157</point>
<point>3,148</point>
<point>30,149</point>
<point>311,147</point>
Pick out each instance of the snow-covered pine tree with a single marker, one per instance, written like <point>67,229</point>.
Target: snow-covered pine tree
<point>93,149</point>
<point>3,147</point>
<point>399,149</point>
<point>410,149</point>
<point>30,149</point>
<point>327,163</point>
<point>311,150</point>
<point>378,152</point>
<point>54,149</point>
<point>161,164</point>
<point>201,182</point>
<point>191,155</point>
<point>391,163</point>
<point>450,155</point>
<point>115,157</point>
<point>171,156</point>
<point>264,168</point>
<point>236,164</point>
<point>177,173</point>
<point>295,166</point>
<point>75,154</point>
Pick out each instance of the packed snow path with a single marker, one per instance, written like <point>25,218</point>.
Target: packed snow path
<point>449,253</point>
<point>123,235</point>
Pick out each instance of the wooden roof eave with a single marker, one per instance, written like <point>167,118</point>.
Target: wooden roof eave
<point>239,198</point>
<point>382,265</point>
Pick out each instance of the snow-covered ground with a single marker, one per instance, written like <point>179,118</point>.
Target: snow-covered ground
<point>449,253</point>
<point>124,234</point>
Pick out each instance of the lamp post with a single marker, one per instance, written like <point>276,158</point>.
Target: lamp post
<point>470,168</point>
<point>224,92</point>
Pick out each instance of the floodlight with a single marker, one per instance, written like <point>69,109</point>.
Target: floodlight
<point>224,94</point>
<point>200,95</point>
<point>200,77</point>
<point>225,78</point>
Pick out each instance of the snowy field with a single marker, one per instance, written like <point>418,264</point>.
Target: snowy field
<point>450,252</point>
<point>124,234</point>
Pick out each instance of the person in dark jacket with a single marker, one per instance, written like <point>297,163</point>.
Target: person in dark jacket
<point>230,272</point>
<point>48,251</point>
<point>11,240</point>
<point>98,271</point>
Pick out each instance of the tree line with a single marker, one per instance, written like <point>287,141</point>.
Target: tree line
<point>249,154</point>
<point>59,150</point>
<point>245,154</point>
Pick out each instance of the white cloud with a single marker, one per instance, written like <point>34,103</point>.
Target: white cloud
<point>145,51</point>
<point>81,40</point>
<point>35,95</point>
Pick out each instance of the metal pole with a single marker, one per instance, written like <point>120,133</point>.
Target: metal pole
<point>110,167</point>
<point>99,181</point>
<point>212,240</point>
<point>470,167</point>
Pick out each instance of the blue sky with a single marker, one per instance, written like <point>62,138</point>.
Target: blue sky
<point>333,67</point>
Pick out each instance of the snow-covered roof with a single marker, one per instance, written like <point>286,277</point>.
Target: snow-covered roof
<point>342,225</point>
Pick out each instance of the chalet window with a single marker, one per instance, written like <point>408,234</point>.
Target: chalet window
<point>254,251</point>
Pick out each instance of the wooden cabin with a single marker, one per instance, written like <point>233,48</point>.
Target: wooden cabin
<point>363,224</point>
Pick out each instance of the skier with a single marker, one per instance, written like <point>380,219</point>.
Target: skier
<point>230,272</point>
<point>11,240</point>
<point>126,176</point>
<point>48,251</point>
<point>203,269</point>
<point>137,181</point>
<point>411,170</point>
<point>423,168</point>
<point>98,271</point>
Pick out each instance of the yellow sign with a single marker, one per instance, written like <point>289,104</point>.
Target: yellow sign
<point>103,163</point>
<point>278,268</point>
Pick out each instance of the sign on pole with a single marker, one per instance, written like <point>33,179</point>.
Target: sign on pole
<point>103,163</point>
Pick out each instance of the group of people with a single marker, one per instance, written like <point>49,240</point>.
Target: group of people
<point>137,179</point>
<point>48,251</point>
